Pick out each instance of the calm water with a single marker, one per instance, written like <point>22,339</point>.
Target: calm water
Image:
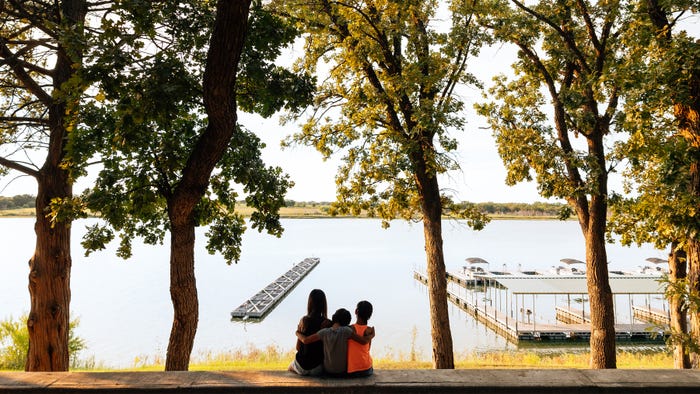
<point>125,311</point>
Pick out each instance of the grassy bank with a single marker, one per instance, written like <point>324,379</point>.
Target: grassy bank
<point>272,358</point>
<point>19,212</point>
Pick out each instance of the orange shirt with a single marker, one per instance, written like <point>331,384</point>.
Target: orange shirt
<point>358,354</point>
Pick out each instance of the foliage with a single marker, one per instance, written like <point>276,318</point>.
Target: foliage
<point>14,343</point>
<point>660,204</point>
<point>569,57</point>
<point>389,98</point>
<point>151,113</point>
<point>690,300</point>
<point>559,57</point>
<point>659,70</point>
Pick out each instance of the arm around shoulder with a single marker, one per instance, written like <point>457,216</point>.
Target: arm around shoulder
<point>307,339</point>
<point>366,338</point>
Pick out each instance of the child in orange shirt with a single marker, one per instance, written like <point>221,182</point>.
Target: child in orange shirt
<point>359,360</point>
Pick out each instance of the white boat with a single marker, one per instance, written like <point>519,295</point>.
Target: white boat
<point>476,267</point>
<point>657,268</point>
<point>571,267</point>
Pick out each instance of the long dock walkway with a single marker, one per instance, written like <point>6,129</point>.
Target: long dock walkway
<point>492,381</point>
<point>258,306</point>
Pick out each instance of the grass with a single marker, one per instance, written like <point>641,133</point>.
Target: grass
<point>273,358</point>
<point>19,212</point>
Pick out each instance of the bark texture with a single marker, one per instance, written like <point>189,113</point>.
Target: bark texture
<point>443,354</point>
<point>224,53</point>
<point>678,272</point>
<point>689,120</point>
<point>603,353</point>
<point>602,310</point>
<point>50,266</point>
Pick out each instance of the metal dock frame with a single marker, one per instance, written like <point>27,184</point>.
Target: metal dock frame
<point>258,306</point>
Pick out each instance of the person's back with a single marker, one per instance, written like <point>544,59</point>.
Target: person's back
<point>311,355</point>
<point>335,343</point>
<point>359,359</point>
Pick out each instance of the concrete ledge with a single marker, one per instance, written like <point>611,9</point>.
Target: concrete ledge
<point>565,381</point>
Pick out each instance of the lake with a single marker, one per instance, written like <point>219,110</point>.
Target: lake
<point>125,311</point>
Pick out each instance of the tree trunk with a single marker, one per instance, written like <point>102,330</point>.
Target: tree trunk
<point>602,311</point>
<point>602,341</point>
<point>219,89</point>
<point>688,116</point>
<point>183,291</point>
<point>49,279</point>
<point>431,205</point>
<point>679,326</point>
<point>50,266</point>
<point>693,253</point>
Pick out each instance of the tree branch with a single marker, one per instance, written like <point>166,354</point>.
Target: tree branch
<point>566,36</point>
<point>18,167</point>
<point>22,74</point>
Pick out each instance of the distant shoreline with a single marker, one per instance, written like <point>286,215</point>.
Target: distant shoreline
<point>295,213</point>
<point>320,210</point>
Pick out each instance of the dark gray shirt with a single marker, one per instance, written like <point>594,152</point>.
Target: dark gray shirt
<point>335,348</point>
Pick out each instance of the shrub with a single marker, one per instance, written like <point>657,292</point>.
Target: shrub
<point>14,343</point>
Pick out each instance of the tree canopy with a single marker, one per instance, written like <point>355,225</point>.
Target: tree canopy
<point>151,113</point>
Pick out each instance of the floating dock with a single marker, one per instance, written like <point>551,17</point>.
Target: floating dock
<point>524,327</point>
<point>258,306</point>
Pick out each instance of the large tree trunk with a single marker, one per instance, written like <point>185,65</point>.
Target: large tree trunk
<point>183,290</point>
<point>679,326</point>
<point>431,205</point>
<point>49,279</point>
<point>693,244</point>
<point>602,310</point>
<point>224,53</point>
<point>50,266</point>
<point>688,116</point>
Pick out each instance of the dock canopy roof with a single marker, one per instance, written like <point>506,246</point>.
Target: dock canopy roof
<point>534,284</point>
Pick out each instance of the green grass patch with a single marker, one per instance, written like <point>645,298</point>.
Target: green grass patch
<point>275,358</point>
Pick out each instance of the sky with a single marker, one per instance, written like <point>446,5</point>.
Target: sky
<point>480,179</point>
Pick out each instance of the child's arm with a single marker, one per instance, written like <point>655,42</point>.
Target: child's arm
<point>367,338</point>
<point>300,328</point>
<point>308,339</point>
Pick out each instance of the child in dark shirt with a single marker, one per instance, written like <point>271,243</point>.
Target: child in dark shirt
<point>335,342</point>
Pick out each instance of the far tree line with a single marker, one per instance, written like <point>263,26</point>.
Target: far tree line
<point>146,95</point>
<point>536,209</point>
<point>17,202</point>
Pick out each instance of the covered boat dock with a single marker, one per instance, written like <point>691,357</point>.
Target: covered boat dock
<point>512,306</point>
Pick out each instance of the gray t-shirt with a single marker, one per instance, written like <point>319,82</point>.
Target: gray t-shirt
<point>335,348</point>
